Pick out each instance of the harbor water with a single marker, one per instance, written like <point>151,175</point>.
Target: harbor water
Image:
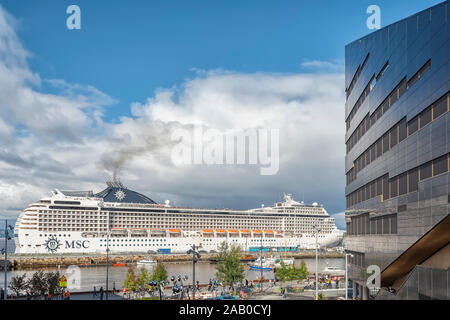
<point>88,277</point>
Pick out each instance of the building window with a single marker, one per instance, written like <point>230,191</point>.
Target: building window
<point>425,171</point>
<point>425,117</point>
<point>402,185</point>
<point>393,224</point>
<point>440,165</point>
<point>440,107</point>
<point>386,225</point>
<point>379,226</point>
<point>393,187</point>
<point>413,180</point>
<point>413,125</point>
<point>402,130</point>
<point>385,143</point>
<point>385,187</point>
<point>393,136</point>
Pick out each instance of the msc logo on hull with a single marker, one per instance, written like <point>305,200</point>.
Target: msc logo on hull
<point>53,244</point>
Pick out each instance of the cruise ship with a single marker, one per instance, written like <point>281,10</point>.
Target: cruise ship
<point>124,220</point>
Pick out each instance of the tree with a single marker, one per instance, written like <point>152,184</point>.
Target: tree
<point>52,283</point>
<point>142,280</point>
<point>291,273</point>
<point>229,267</point>
<point>160,273</point>
<point>18,284</point>
<point>130,281</point>
<point>37,284</point>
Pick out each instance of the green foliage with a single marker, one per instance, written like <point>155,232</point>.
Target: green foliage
<point>52,283</point>
<point>37,283</point>
<point>160,273</point>
<point>130,282</point>
<point>291,273</point>
<point>142,280</point>
<point>320,296</point>
<point>18,284</point>
<point>229,267</point>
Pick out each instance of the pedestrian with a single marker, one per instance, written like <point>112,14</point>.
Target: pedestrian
<point>124,292</point>
<point>114,287</point>
<point>94,294</point>
<point>2,294</point>
<point>101,293</point>
<point>283,291</point>
<point>67,295</point>
<point>246,283</point>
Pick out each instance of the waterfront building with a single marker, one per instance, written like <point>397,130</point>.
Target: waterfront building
<point>397,138</point>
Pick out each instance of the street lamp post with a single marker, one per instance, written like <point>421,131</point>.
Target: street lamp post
<point>195,257</point>
<point>6,259</point>
<point>317,263</point>
<point>261,258</point>
<point>346,274</point>
<point>5,262</point>
<point>107,259</point>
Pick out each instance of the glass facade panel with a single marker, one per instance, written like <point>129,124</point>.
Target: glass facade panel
<point>413,125</point>
<point>440,165</point>
<point>425,171</point>
<point>425,117</point>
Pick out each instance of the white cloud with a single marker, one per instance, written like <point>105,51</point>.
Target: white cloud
<point>49,140</point>
<point>340,220</point>
<point>334,66</point>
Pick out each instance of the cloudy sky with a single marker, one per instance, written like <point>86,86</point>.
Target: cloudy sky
<point>75,104</point>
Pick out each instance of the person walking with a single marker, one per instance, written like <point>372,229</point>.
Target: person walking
<point>246,283</point>
<point>2,294</point>
<point>67,295</point>
<point>124,293</point>
<point>114,287</point>
<point>283,293</point>
<point>94,294</point>
<point>101,293</point>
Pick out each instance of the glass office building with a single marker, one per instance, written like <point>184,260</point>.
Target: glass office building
<point>397,81</point>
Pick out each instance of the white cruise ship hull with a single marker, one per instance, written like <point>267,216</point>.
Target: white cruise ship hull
<point>35,242</point>
<point>126,221</point>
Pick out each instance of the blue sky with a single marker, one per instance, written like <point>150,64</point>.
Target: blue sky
<point>69,99</point>
<point>130,48</point>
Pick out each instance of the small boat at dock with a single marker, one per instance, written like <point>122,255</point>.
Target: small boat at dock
<point>147,262</point>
